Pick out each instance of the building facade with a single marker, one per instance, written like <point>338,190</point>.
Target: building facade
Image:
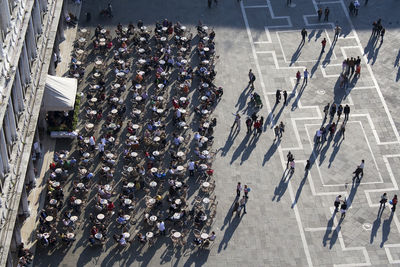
<point>29,34</point>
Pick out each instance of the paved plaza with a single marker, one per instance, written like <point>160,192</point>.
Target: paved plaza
<point>290,219</point>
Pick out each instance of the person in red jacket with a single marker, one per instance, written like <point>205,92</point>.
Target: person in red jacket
<point>323,43</point>
<point>394,203</point>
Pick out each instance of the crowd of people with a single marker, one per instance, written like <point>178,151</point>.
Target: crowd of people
<point>135,157</point>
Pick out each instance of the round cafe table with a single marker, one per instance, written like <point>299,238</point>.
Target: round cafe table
<point>183,49</point>
<point>89,125</point>
<point>205,38</point>
<point>153,218</point>
<point>74,218</point>
<point>135,126</point>
<point>103,201</point>
<point>100,216</point>
<point>80,185</point>
<point>70,235</point>
<point>98,235</point>
<point>160,86</point>
<point>178,184</point>
<point>205,85</point>
<point>205,152</point>
<point>206,125</point>
<point>127,201</point>
<point>204,236</point>
<point>103,31</point>
<point>183,111</point>
<point>132,138</point>
<point>206,184</point>
<point>138,98</point>
<point>151,201</point>
<point>93,100</point>
<point>183,28</point>
<point>205,111</point>
<point>153,170</point>
<point>114,111</point>
<point>206,49</point>
<point>53,201</point>
<point>138,86</point>
<point>149,234</point>
<point>162,62</point>
<point>184,61</point>
<point>183,38</point>
<point>56,184</point>
<point>180,168</point>
<point>110,155</point>
<point>58,170</point>
<point>86,155</point>
<point>180,154</point>
<point>127,217</point>
<point>49,218</point>
<point>156,139</point>
<point>156,153</point>
<point>153,184</point>
<point>177,235</point>
<point>206,200</point>
<point>126,235</point>
<point>204,98</point>
<point>82,40</point>
<point>160,98</point>
<point>163,39</point>
<point>78,202</point>
<point>131,185</point>
<point>203,166</point>
<point>141,51</point>
<point>129,169</point>
<point>136,111</point>
<point>134,154</point>
<point>183,99</point>
<point>178,201</point>
<point>141,60</point>
<point>117,85</point>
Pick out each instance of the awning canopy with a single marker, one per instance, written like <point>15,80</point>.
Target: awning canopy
<point>59,93</point>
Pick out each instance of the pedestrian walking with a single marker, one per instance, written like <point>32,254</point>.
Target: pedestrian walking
<point>352,64</point>
<point>243,205</point>
<point>238,189</point>
<point>284,97</point>
<point>332,129</point>
<point>252,78</point>
<point>356,7</point>
<point>323,44</point>
<point>324,132</point>
<point>298,77</point>
<point>305,73</point>
<point>303,35</point>
<point>362,164</point>
<point>292,167</point>
<point>277,96</point>
<point>337,202</point>
<point>110,10</point>
<point>236,122</point>
<point>339,111</point>
<point>344,65</point>
<point>257,128</point>
<point>216,2</point>
<point>394,203</point>
<point>307,167</point>
<point>358,71</point>
<point>246,191</point>
<point>326,110</point>
<point>290,158</point>
<point>276,131</point>
<point>366,2</point>
<point>249,122</point>
<point>346,111</point>
<point>343,209</point>
<point>281,129</point>
<point>318,136</point>
<point>288,2</point>
<point>326,18</point>
<point>254,116</point>
<point>337,32</point>
<point>333,110</point>
<point>342,130</point>
<point>209,3</point>
<point>319,14</point>
<point>382,34</point>
<point>383,201</point>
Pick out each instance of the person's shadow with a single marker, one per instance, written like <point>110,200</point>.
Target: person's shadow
<point>328,229</point>
<point>335,234</point>
<point>283,184</point>
<point>386,229</point>
<point>298,193</point>
<point>375,227</point>
<point>296,54</point>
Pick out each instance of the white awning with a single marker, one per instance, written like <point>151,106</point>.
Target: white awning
<point>59,93</point>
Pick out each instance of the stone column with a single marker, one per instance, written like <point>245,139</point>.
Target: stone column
<point>37,18</point>
<point>3,151</point>
<point>4,15</point>
<point>30,174</point>
<point>31,40</point>
<point>24,205</point>
<point>11,116</point>
<point>18,90</point>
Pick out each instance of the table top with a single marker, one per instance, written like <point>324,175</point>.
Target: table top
<point>127,201</point>
<point>74,218</point>
<point>100,216</point>
<point>149,234</point>
<point>153,218</point>
<point>206,200</point>
<point>152,201</point>
<point>178,184</point>
<point>80,185</point>
<point>156,153</point>
<point>180,154</point>
<point>130,185</point>
<point>103,201</point>
<point>98,236</point>
<point>78,201</point>
<point>177,235</point>
<point>53,201</point>
<point>206,184</point>
<point>49,218</point>
<point>204,236</point>
<point>153,184</point>
<point>178,201</point>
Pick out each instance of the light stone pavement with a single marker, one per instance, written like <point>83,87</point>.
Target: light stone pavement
<point>289,220</point>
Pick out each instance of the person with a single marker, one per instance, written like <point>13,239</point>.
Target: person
<point>281,129</point>
<point>298,77</point>
<point>383,201</point>
<point>284,97</point>
<point>326,110</point>
<point>319,14</point>
<point>292,166</point>
<point>242,205</point>
<point>238,189</point>
<point>333,110</point>
<point>362,168</point>
<point>382,34</point>
<point>277,96</point>
<point>394,203</point>
<point>346,111</point>
<point>337,31</point>
<point>343,209</point>
<point>326,18</point>
<point>342,130</point>
<point>339,111</point>
<point>323,43</point>
<point>303,35</point>
<point>290,158</point>
<point>161,227</point>
<point>109,10</point>
<point>305,76</point>
<point>212,237</point>
<point>249,122</point>
<point>308,166</point>
<point>252,79</point>
<point>337,202</point>
<point>246,191</point>
<point>209,3</point>
<point>318,136</point>
<point>236,122</point>
<point>276,131</point>
<point>257,127</point>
